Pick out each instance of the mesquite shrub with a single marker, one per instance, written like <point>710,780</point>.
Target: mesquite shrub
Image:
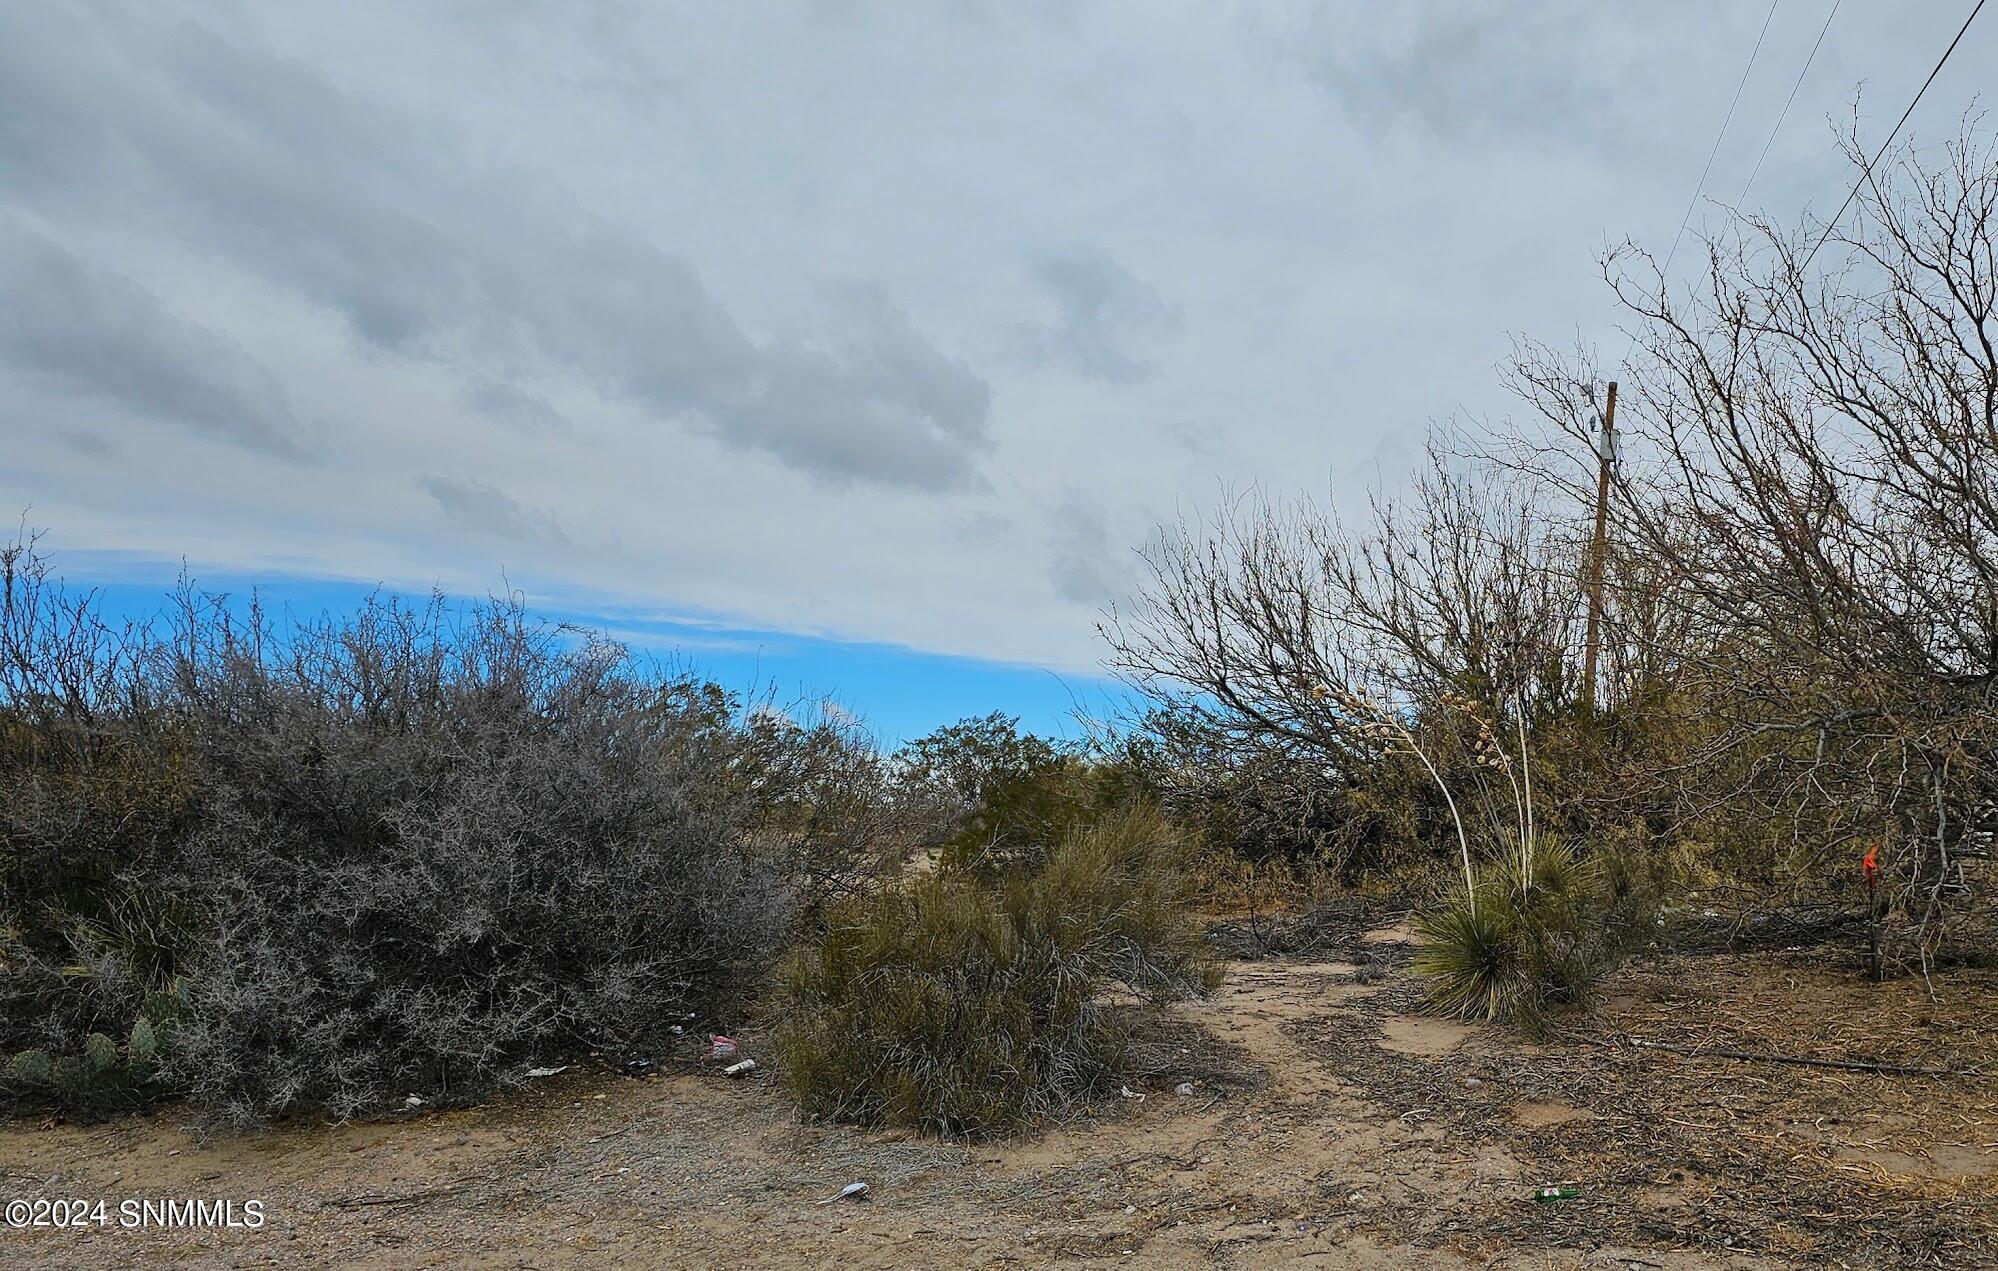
<point>396,852</point>
<point>1789,669</point>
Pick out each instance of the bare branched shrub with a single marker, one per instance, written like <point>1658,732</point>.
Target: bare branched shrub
<point>1813,469</point>
<point>1799,672</point>
<point>1260,633</point>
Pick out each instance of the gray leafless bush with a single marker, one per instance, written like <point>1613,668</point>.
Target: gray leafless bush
<point>395,852</point>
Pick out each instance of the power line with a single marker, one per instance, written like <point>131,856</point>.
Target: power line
<point>1867,171</point>
<point>1694,202</point>
<point>1787,102</point>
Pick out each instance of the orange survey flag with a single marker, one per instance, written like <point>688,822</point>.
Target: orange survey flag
<point>1869,865</point>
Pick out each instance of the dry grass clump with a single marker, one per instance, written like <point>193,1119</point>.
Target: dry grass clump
<point>971,1007</point>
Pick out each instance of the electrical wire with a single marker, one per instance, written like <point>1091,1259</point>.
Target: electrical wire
<point>1812,56</point>
<point>1867,171</point>
<point>1694,202</point>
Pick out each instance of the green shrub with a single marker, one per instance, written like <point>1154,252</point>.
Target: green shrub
<point>1537,934</point>
<point>998,798</point>
<point>972,1007</point>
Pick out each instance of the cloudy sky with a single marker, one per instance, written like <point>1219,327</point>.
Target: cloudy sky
<point>841,332</point>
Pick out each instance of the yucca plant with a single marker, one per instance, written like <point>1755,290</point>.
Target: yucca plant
<point>1548,876</point>
<point>1535,939</point>
<point>1529,930</point>
<point>1473,957</point>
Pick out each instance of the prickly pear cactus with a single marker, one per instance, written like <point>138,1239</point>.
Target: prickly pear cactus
<point>144,1044</point>
<point>31,1068</point>
<point>104,1070</point>
<point>100,1054</point>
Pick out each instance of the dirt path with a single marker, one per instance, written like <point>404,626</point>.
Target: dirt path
<point>1352,1132</point>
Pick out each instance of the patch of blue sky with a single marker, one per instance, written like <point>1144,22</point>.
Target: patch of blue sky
<point>897,693</point>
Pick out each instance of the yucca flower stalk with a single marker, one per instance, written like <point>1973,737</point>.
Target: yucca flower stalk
<point>1490,754</point>
<point>1384,726</point>
<point>1526,775</point>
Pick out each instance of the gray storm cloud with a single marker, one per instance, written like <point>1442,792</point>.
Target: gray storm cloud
<point>71,325</point>
<point>477,508</point>
<point>261,163</point>
<point>1519,76</point>
<point>1104,312</point>
<point>899,323</point>
<point>512,405</point>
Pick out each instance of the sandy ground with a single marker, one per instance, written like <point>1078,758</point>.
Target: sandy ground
<point>1330,1125</point>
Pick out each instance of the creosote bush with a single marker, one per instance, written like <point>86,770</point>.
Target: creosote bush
<point>972,1007</point>
<point>994,798</point>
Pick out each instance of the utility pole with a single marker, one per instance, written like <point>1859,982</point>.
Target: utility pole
<point>1598,546</point>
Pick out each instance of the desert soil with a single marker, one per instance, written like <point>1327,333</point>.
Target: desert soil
<point>1330,1124</point>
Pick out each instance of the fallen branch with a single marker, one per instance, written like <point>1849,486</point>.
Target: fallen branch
<point>407,1198</point>
<point>1770,1057</point>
